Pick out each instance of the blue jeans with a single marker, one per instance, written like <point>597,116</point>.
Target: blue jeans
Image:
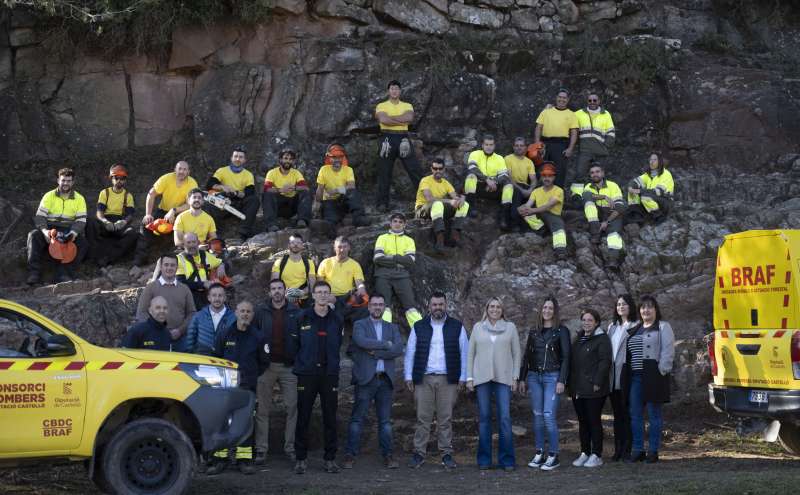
<point>502,397</point>
<point>380,390</point>
<point>544,404</point>
<point>637,417</point>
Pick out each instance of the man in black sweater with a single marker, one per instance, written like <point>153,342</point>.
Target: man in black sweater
<point>151,334</point>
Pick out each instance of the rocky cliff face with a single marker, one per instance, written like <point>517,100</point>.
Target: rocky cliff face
<point>713,83</point>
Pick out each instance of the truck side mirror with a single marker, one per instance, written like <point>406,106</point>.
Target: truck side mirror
<point>60,345</point>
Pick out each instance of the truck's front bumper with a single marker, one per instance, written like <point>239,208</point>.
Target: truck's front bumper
<point>736,401</point>
<point>225,415</point>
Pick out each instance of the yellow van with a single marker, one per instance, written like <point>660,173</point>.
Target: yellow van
<point>139,417</point>
<point>755,348</point>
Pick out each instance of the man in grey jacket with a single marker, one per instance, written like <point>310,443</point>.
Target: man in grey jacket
<point>375,345</point>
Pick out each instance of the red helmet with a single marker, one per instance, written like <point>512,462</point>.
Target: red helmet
<point>118,171</point>
<point>336,151</point>
<point>547,168</point>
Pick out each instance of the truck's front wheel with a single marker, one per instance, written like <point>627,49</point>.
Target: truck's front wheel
<point>150,456</point>
<point>789,436</point>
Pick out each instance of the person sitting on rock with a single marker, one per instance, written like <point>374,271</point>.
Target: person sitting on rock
<point>195,220</point>
<point>150,334</point>
<point>178,296</point>
<point>296,270</point>
<point>336,190</point>
<point>110,233</point>
<point>394,259</point>
<point>542,212</point>
<point>198,268</point>
<point>60,217</point>
<point>394,116</point>
<point>346,278</point>
<point>173,189</point>
<point>237,184</point>
<point>650,194</point>
<point>485,165</point>
<point>603,206</point>
<point>523,178</point>
<point>207,323</point>
<point>557,129</point>
<point>286,193</point>
<point>437,200</point>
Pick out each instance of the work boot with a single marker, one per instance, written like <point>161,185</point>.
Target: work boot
<point>455,238</point>
<point>613,260</point>
<point>473,211</point>
<point>260,458</point>
<point>439,246</point>
<point>505,216</point>
<point>594,232</point>
<point>34,278</point>
<point>217,466</point>
<point>560,254</point>
<point>301,224</point>
<point>247,467</point>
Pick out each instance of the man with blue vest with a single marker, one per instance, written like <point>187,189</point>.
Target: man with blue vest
<point>206,323</point>
<point>435,371</point>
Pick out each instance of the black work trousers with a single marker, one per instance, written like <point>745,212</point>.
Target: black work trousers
<point>277,205</point>
<point>622,423</point>
<point>147,238</point>
<point>386,165</point>
<point>308,387</point>
<point>518,200</point>
<point>106,246</point>
<point>38,251</point>
<point>333,210</point>
<point>590,424</point>
<point>247,205</point>
<point>554,152</point>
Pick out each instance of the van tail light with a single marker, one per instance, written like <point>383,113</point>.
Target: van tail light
<point>712,355</point>
<point>796,354</point>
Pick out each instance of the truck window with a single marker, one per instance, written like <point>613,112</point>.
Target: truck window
<point>21,337</point>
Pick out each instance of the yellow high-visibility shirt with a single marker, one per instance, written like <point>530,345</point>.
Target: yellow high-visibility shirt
<point>394,110</point>
<point>60,212</point>
<point>332,179</point>
<point>557,123</point>
<point>202,224</point>
<point>185,267</point>
<point>541,197</point>
<point>173,195</point>
<point>597,126</point>
<point>115,203</point>
<point>491,166</point>
<point>609,188</point>
<point>294,273</point>
<point>341,275</point>
<point>391,244</point>
<point>277,179</point>
<point>439,190</point>
<point>238,181</point>
<point>662,182</point>
<point>520,168</point>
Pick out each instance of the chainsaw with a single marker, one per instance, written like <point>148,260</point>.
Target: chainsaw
<point>223,203</point>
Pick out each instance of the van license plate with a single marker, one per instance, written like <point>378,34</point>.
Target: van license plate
<point>758,396</point>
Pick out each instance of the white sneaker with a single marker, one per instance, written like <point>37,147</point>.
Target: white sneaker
<point>537,460</point>
<point>580,461</point>
<point>551,463</point>
<point>593,461</point>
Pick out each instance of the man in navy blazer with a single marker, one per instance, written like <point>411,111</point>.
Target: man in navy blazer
<point>375,345</point>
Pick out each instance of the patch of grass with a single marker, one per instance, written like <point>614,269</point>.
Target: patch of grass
<point>714,43</point>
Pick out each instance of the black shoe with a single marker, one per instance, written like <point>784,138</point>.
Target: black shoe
<point>636,457</point>
<point>449,462</point>
<point>617,456</point>
<point>34,278</point>
<point>260,458</point>
<point>247,467</point>
<point>216,467</point>
<point>652,458</point>
<point>560,254</point>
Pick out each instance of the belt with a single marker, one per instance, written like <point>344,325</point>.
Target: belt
<point>396,133</point>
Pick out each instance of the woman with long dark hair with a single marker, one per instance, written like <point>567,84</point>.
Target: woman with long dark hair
<point>650,352</point>
<point>625,317</point>
<point>545,369</point>
<point>650,194</point>
<point>589,381</point>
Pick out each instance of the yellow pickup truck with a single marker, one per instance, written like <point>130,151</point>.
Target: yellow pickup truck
<point>139,418</point>
<point>755,348</point>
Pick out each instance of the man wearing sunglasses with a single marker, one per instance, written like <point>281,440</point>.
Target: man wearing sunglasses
<point>437,200</point>
<point>110,233</point>
<point>596,137</point>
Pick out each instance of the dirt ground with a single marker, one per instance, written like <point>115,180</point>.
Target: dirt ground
<point>700,452</point>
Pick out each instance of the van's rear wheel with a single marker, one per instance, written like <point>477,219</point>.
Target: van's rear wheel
<point>148,455</point>
<point>789,436</point>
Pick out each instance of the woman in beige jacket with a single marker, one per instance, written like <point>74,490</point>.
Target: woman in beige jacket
<point>493,364</point>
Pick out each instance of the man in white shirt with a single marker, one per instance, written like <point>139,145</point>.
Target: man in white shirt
<point>435,371</point>
<point>179,297</point>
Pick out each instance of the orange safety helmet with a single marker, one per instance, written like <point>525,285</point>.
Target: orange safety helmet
<point>536,153</point>
<point>336,151</point>
<point>118,170</point>
<point>547,168</point>
<point>65,252</point>
<point>355,302</point>
<point>160,226</point>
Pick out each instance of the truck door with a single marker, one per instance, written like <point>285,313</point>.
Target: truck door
<point>42,387</point>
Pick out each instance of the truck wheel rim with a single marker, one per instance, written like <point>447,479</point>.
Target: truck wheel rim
<point>151,463</point>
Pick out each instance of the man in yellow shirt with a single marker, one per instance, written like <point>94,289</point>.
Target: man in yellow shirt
<point>346,278</point>
<point>336,191</point>
<point>237,184</point>
<point>557,128</point>
<point>485,165</point>
<point>437,200</point>
<point>195,220</point>
<point>542,212</point>
<point>296,270</point>
<point>198,269</point>
<point>173,189</point>
<point>394,116</point>
<point>110,233</point>
<point>286,193</point>
<point>523,178</point>
<point>64,210</point>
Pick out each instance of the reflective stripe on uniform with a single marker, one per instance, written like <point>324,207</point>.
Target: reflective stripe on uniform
<point>413,316</point>
<point>559,239</point>
<point>614,241</point>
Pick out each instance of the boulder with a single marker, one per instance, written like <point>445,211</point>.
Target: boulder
<point>597,11</point>
<point>295,7</point>
<point>417,15</point>
<point>191,46</point>
<point>340,8</point>
<point>159,106</point>
<point>476,16</point>
<point>525,19</point>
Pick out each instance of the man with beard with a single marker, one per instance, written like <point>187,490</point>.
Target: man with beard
<point>523,178</point>
<point>237,184</point>
<point>60,217</point>
<point>296,270</point>
<point>542,212</point>
<point>484,165</point>
<point>286,193</point>
<point>603,206</point>
<point>437,200</point>
<point>207,323</point>
<point>596,137</point>
<point>197,268</point>
<point>110,233</point>
<point>195,220</point>
<point>336,190</point>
